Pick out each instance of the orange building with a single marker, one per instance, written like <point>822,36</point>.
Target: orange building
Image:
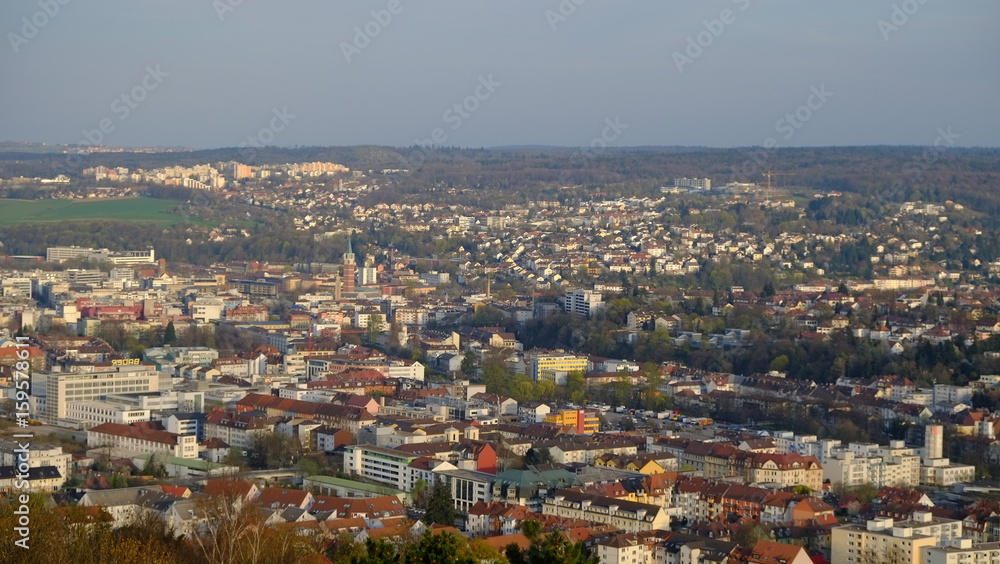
<point>585,421</point>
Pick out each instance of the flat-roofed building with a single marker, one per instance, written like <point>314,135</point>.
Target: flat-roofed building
<point>382,465</point>
<point>963,551</point>
<point>90,413</point>
<point>54,391</point>
<point>886,540</point>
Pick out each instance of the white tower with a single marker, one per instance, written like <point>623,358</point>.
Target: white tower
<point>933,442</point>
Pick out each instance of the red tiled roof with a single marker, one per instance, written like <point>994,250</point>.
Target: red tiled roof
<point>138,433</point>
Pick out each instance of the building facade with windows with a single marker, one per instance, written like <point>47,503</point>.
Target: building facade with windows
<point>54,391</point>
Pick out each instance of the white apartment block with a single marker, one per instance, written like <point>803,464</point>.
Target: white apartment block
<point>882,465</point>
<point>942,472</point>
<point>785,442</point>
<point>382,465</point>
<point>55,390</point>
<point>963,551</point>
<point>947,393</point>
<point>885,540</point>
<point>583,302</point>
<point>852,469</point>
<point>393,468</point>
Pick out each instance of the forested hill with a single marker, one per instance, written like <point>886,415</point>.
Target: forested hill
<point>970,176</point>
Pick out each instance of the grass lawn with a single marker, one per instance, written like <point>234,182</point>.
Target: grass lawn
<point>121,209</point>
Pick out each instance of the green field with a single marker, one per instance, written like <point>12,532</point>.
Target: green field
<point>124,209</point>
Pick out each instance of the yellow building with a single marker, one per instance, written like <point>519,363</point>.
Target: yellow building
<point>555,366</point>
<point>584,421</point>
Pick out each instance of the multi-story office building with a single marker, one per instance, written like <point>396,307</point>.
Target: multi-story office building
<point>90,413</point>
<point>53,391</point>
<point>62,254</point>
<point>554,366</point>
<point>468,487</point>
<point>134,257</point>
<point>694,183</point>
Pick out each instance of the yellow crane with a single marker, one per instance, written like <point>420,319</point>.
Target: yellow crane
<point>769,174</point>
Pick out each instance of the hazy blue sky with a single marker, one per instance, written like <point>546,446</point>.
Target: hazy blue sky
<point>560,76</point>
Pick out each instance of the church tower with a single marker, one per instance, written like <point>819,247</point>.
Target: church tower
<point>350,268</point>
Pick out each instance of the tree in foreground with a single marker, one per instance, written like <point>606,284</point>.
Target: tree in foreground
<point>554,548</point>
<point>749,532</point>
<point>440,506</point>
<point>441,548</point>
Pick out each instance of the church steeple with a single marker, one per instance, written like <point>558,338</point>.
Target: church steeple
<point>349,255</point>
<point>350,268</point>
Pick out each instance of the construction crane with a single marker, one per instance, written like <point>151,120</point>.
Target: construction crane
<point>769,174</point>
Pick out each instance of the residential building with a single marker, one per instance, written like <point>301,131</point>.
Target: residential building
<point>583,302</point>
<point>898,542</point>
<point>963,551</point>
<point>629,516</point>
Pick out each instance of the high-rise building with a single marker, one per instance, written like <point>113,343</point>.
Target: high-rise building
<point>350,268</point>
<point>583,302</point>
